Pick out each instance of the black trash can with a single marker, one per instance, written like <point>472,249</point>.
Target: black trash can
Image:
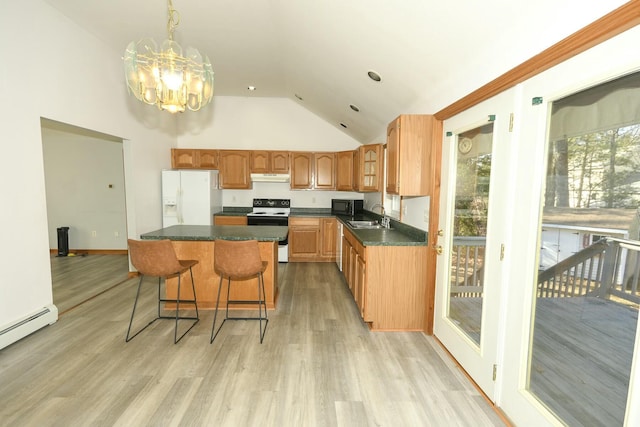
<point>63,241</point>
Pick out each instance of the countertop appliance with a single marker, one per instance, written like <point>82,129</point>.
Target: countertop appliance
<point>272,212</point>
<point>190,197</point>
<point>349,207</point>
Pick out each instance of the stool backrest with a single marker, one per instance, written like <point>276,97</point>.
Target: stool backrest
<point>154,257</point>
<point>237,258</point>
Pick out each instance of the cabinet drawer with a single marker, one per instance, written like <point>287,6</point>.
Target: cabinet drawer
<point>304,222</point>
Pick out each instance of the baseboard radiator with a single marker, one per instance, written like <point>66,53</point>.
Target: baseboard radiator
<point>27,325</point>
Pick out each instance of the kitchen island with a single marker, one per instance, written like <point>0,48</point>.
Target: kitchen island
<point>198,242</point>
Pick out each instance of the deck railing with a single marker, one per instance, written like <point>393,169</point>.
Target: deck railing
<point>608,268</point>
<point>467,272</point>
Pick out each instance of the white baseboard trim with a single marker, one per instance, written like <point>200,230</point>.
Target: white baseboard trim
<point>27,325</point>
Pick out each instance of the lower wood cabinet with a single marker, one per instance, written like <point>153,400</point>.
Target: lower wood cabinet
<point>230,220</point>
<point>312,239</point>
<point>388,283</point>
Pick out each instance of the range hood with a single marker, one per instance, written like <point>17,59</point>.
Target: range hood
<point>270,177</point>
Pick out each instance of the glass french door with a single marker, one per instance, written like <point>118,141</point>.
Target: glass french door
<point>473,219</point>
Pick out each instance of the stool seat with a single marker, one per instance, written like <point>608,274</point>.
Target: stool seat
<point>157,258</point>
<point>239,260</point>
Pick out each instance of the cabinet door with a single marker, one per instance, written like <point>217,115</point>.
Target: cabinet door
<point>325,171</point>
<point>361,283</point>
<point>328,246</point>
<point>370,168</point>
<point>234,169</point>
<point>208,159</point>
<point>344,171</point>
<point>410,141</point>
<point>393,159</point>
<point>280,162</point>
<point>260,162</point>
<point>184,158</point>
<point>303,244</point>
<point>301,170</point>
<point>345,259</point>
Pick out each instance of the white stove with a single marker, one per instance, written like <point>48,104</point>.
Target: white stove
<point>272,212</point>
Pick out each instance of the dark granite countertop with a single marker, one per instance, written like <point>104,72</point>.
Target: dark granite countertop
<point>234,211</point>
<point>262,233</point>
<point>399,235</point>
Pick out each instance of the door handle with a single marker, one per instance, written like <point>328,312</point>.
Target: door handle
<point>438,249</point>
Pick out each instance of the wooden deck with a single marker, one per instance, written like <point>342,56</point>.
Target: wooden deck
<point>581,358</point>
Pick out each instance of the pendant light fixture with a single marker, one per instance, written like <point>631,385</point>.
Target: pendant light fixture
<point>166,78</point>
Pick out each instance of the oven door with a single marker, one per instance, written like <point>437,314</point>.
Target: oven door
<point>283,246</point>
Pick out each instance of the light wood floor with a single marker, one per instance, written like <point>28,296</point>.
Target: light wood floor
<point>318,366</point>
<point>78,278</point>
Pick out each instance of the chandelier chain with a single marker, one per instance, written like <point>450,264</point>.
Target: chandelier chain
<point>173,19</point>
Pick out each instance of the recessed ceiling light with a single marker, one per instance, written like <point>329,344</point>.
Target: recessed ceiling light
<point>374,76</point>
<point>251,88</point>
<point>354,108</point>
<point>343,125</point>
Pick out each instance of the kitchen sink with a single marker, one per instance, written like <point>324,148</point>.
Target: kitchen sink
<point>365,224</point>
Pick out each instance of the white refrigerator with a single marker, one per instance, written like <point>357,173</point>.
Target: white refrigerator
<point>190,197</point>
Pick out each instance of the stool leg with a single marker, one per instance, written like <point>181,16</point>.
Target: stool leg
<point>262,300</point>
<point>214,332</point>
<point>197,318</point>
<point>133,312</point>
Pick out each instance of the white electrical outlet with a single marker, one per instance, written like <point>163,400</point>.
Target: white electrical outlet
<point>116,234</point>
<point>313,200</point>
<point>94,233</point>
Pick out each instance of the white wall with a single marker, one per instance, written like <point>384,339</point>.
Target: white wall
<point>249,123</point>
<point>299,198</point>
<point>53,69</point>
<point>84,178</point>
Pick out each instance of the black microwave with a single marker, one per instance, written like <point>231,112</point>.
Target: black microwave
<point>346,207</point>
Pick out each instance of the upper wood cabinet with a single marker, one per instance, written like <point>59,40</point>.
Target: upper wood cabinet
<point>409,144</point>
<point>370,161</point>
<point>260,162</point>
<point>325,171</point>
<point>301,170</point>
<point>345,161</point>
<point>279,162</point>
<point>313,171</point>
<point>193,158</point>
<point>208,159</point>
<point>263,161</point>
<point>234,169</point>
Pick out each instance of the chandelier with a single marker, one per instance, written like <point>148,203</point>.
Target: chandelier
<point>165,77</point>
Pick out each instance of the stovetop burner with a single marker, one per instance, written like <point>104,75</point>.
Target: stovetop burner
<point>271,207</point>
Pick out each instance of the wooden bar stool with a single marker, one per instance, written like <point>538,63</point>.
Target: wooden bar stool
<point>157,258</point>
<point>236,260</point>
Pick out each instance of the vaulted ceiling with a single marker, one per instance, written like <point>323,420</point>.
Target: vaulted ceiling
<point>318,52</point>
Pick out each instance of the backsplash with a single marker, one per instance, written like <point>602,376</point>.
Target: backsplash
<point>274,190</point>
